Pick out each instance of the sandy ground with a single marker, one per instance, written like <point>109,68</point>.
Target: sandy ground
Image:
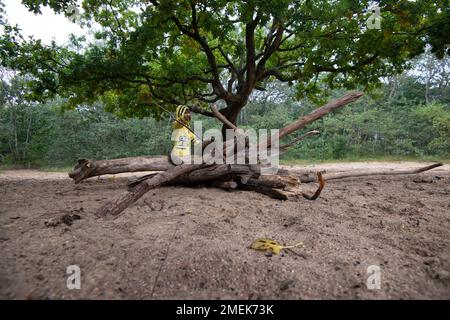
<point>192,243</point>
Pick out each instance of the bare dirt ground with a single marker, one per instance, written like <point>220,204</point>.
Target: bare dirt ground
<point>192,243</point>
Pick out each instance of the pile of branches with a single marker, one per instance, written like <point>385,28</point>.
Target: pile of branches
<point>283,184</point>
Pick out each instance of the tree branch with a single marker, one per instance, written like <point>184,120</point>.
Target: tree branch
<point>348,68</point>
<point>222,118</point>
<point>302,137</point>
<point>270,49</point>
<point>217,85</point>
<point>199,110</point>
<point>313,116</point>
<point>342,175</point>
<point>250,46</point>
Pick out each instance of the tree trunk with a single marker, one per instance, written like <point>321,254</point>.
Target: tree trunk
<point>231,112</point>
<point>90,168</point>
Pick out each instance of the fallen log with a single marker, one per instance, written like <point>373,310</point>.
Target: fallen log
<point>274,181</point>
<point>271,192</point>
<point>281,187</point>
<point>90,168</point>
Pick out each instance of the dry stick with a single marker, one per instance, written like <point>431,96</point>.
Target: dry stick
<point>311,117</point>
<point>302,137</point>
<point>342,175</point>
<point>176,120</point>
<point>163,262</point>
<point>117,206</point>
<point>320,112</point>
<point>301,255</point>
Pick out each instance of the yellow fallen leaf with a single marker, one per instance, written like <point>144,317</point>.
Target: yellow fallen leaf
<point>271,245</point>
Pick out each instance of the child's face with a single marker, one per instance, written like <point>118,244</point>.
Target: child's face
<point>187,115</point>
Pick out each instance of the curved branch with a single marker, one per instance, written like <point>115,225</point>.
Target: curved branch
<point>318,191</point>
<point>302,137</point>
<point>276,73</point>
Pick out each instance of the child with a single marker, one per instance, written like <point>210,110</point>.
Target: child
<point>182,136</point>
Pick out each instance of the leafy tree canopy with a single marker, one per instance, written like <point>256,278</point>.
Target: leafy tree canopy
<point>196,52</point>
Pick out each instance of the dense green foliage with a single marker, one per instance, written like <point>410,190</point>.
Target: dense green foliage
<point>194,51</point>
<point>44,135</point>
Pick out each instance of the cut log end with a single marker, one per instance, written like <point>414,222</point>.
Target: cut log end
<point>82,170</point>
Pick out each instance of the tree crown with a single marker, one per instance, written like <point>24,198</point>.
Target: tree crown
<point>196,52</point>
